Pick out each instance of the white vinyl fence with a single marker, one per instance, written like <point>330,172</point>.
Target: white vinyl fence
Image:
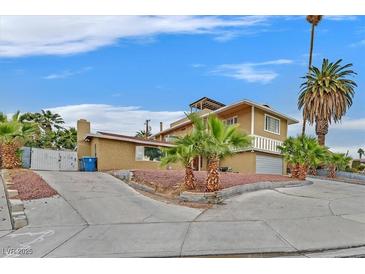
<point>47,159</point>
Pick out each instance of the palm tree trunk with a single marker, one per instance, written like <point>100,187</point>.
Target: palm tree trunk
<point>213,181</point>
<point>309,66</point>
<point>189,180</point>
<point>321,130</point>
<point>9,155</point>
<point>302,172</point>
<point>331,171</point>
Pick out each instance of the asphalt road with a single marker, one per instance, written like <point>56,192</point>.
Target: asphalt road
<point>97,215</point>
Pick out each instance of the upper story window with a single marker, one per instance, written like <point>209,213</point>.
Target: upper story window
<point>231,120</point>
<point>272,124</point>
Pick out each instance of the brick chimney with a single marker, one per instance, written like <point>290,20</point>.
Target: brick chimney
<point>83,148</point>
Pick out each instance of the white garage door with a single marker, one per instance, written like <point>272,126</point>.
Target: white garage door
<point>269,165</point>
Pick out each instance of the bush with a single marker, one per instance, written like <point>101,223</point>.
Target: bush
<point>361,168</point>
<point>356,163</point>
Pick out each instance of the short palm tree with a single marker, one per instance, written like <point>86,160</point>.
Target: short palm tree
<point>326,95</point>
<point>217,141</point>
<point>13,134</point>
<point>184,152</point>
<point>361,152</point>
<point>302,153</point>
<point>336,161</point>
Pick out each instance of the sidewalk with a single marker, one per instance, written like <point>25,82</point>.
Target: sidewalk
<point>5,224</point>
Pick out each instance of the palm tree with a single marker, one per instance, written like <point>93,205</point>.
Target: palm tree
<point>314,21</point>
<point>184,152</point>
<point>13,134</point>
<point>326,95</point>
<point>142,134</point>
<point>46,119</point>
<point>336,161</point>
<point>217,141</point>
<point>361,152</point>
<point>302,153</point>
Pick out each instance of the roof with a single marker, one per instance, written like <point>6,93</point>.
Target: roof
<point>125,138</point>
<point>208,103</point>
<point>268,109</point>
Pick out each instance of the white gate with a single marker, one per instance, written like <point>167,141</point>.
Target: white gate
<point>47,159</point>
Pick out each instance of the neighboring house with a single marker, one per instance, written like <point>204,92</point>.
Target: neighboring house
<point>115,151</point>
<point>267,126</point>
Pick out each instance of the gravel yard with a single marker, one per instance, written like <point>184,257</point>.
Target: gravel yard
<point>173,178</point>
<point>30,185</point>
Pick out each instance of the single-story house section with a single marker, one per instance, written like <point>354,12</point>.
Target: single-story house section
<point>115,151</point>
<point>267,127</point>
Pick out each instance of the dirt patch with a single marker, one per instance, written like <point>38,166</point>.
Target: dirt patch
<point>171,180</point>
<point>30,185</point>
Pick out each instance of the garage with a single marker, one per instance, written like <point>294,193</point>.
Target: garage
<point>269,164</point>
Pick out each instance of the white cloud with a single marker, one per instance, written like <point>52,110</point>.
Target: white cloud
<point>340,17</point>
<point>117,119</point>
<point>251,72</point>
<point>60,35</point>
<point>358,44</point>
<point>66,73</point>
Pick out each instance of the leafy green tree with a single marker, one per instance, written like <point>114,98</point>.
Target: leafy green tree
<point>326,95</point>
<point>301,153</point>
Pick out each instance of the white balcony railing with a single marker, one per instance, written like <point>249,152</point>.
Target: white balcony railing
<point>266,144</point>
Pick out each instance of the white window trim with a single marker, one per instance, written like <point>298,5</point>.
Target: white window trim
<point>231,118</point>
<point>273,132</point>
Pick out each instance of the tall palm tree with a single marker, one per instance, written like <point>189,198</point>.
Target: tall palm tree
<point>361,152</point>
<point>326,95</point>
<point>313,20</point>
<point>184,152</point>
<point>217,141</point>
<point>13,134</point>
<point>46,120</point>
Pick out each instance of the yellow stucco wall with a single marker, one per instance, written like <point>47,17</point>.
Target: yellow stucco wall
<point>113,154</point>
<point>259,128</point>
<point>243,162</point>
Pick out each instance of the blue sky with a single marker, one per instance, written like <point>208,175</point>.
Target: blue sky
<point>118,71</point>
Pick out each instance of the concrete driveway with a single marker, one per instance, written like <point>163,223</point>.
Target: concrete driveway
<point>97,215</point>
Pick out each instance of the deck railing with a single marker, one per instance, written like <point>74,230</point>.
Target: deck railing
<point>266,144</point>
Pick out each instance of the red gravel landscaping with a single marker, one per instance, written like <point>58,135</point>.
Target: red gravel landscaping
<point>173,178</point>
<point>30,185</point>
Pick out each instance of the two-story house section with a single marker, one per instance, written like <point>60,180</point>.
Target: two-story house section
<point>267,126</point>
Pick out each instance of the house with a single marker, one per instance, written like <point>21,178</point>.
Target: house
<point>267,126</point>
<point>116,151</point>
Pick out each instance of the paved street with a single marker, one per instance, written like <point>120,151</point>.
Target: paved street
<point>97,215</point>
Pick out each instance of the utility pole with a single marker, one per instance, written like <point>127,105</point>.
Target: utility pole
<point>147,128</point>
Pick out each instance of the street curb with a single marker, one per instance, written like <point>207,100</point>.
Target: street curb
<point>219,196</point>
<point>16,206</point>
<point>209,197</point>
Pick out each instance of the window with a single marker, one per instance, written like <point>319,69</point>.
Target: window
<point>272,124</point>
<point>148,154</point>
<point>231,121</point>
<point>170,138</point>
